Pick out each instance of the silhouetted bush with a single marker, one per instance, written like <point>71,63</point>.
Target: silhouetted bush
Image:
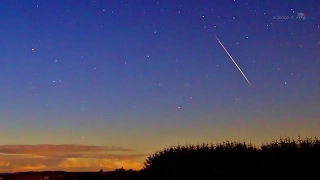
<point>283,159</point>
<point>122,174</point>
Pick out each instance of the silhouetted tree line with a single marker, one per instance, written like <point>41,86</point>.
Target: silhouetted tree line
<point>281,159</point>
<point>118,174</point>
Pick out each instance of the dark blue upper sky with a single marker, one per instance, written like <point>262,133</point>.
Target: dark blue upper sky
<point>154,69</point>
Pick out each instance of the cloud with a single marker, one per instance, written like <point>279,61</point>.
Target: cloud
<point>69,157</point>
<point>46,149</point>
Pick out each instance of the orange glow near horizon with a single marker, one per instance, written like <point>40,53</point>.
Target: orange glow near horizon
<point>84,157</point>
<point>15,158</point>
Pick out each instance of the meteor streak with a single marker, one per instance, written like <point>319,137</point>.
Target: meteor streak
<point>233,61</point>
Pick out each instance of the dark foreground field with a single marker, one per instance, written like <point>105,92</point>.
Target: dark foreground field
<point>282,159</point>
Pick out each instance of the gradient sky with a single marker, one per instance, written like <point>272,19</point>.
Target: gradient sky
<point>90,85</point>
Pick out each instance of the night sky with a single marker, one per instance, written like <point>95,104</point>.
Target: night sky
<point>89,85</point>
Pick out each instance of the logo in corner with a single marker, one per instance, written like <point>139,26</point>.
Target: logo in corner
<point>301,16</point>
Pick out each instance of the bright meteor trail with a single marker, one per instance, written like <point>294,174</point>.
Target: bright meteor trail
<point>233,60</point>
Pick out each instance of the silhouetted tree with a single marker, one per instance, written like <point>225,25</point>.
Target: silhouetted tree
<point>286,158</point>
